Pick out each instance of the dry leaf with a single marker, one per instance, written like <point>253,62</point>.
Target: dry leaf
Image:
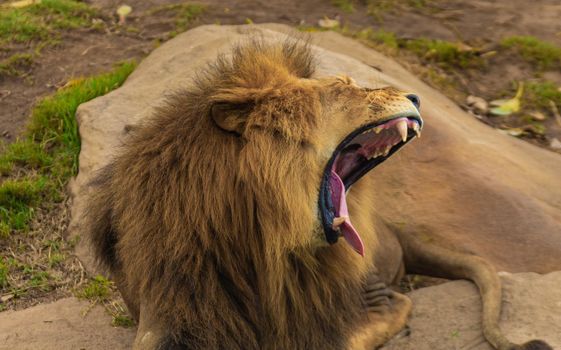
<point>71,82</point>
<point>328,23</point>
<point>539,116</point>
<point>507,107</point>
<point>512,132</point>
<point>24,3</point>
<point>478,104</point>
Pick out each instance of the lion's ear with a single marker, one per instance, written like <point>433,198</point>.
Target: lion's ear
<point>230,117</point>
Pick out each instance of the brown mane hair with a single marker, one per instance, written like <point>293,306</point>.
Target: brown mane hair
<point>215,228</point>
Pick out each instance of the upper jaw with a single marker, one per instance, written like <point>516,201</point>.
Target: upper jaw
<point>372,140</point>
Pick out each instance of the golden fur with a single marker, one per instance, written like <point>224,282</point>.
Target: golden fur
<point>207,218</point>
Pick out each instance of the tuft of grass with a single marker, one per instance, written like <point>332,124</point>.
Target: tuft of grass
<point>42,20</point>
<point>545,55</point>
<point>122,321</point>
<point>56,258</point>
<point>98,289</point>
<point>16,25</point>
<point>344,5</point>
<point>16,64</point>
<point>39,279</point>
<point>17,199</point>
<point>24,153</point>
<point>444,53</point>
<point>381,37</point>
<point>50,147</point>
<point>539,94</point>
<point>3,274</point>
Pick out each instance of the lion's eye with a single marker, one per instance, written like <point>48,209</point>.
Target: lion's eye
<point>346,80</point>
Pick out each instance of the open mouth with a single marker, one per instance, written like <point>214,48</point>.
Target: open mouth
<point>356,155</point>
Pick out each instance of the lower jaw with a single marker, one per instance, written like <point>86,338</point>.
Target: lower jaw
<point>328,213</point>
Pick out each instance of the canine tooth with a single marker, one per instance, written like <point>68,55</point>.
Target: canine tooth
<point>416,128</point>
<point>401,127</point>
<point>378,129</point>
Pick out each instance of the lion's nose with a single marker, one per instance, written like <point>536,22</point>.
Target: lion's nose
<point>415,99</point>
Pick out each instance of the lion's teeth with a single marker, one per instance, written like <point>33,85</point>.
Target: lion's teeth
<point>387,151</point>
<point>378,129</point>
<point>416,128</point>
<point>401,127</point>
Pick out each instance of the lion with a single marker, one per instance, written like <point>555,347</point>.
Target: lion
<point>220,217</point>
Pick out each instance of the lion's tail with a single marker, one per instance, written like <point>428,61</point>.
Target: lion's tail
<point>432,260</point>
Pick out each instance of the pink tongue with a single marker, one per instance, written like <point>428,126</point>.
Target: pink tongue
<point>341,211</point>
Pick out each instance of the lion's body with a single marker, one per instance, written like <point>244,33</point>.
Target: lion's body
<point>214,244</point>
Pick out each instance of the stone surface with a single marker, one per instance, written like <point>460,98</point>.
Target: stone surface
<point>463,183</point>
<point>62,325</point>
<point>447,317</point>
<point>444,317</point>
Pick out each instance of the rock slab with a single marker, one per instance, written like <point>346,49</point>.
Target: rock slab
<point>445,317</point>
<point>62,325</point>
<point>448,316</point>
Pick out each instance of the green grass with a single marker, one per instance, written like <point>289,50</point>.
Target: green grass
<point>3,274</point>
<point>43,20</point>
<point>56,258</point>
<point>122,321</point>
<point>17,199</point>
<point>16,64</point>
<point>380,37</point>
<point>539,94</point>
<point>444,53</point>
<point>97,289</point>
<point>47,154</point>
<point>541,53</point>
<point>39,279</point>
<point>344,5</point>
<point>24,153</point>
<point>53,122</point>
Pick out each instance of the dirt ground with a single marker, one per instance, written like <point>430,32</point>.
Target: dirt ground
<point>84,52</point>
